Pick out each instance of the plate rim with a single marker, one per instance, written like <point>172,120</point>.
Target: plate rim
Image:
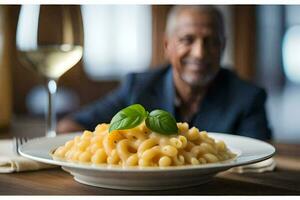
<point>111,168</point>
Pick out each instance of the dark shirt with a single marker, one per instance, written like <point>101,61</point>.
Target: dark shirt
<point>230,105</point>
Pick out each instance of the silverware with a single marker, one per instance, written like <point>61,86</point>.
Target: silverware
<point>17,142</point>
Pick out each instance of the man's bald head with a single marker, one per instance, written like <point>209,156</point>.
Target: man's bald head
<point>176,11</point>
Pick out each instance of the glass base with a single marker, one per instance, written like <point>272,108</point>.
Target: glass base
<point>51,134</point>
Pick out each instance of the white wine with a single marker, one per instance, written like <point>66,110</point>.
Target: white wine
<point>52,61</point>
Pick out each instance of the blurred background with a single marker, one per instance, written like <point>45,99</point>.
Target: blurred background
<point>263,46</point>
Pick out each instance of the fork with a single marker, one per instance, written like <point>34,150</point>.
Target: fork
<point>17,142</point>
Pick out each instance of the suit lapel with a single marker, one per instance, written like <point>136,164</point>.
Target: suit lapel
<point>167,93</point>
<point>210,113</point>
<point>161,95</point>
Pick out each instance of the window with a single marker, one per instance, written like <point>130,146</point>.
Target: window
<point>290,52</point>
<point>117,39</point>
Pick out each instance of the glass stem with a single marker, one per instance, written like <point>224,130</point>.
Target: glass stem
<point>51,114</point>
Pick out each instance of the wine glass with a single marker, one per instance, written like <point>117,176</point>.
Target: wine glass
<point>49,40</point>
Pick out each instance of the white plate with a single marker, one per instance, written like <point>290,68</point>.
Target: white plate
<point>249,151</point>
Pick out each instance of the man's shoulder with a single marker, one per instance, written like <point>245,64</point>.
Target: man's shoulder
<point>151,76</point>
<point>152,73</point>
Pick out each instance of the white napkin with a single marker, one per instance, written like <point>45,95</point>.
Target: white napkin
<point>11,162</point>
<point>260,167</point>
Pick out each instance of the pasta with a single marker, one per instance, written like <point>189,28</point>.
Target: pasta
<point>140,146</point>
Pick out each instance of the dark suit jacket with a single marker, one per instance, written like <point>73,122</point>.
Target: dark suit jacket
<point>231,105</point>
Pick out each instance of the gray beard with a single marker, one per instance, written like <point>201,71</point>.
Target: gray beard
<point>201,83</point>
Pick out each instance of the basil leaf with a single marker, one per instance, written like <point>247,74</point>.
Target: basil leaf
<point>162,122</point>
<point>128,117</point>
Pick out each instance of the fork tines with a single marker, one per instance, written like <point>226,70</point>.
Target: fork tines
<point>17,142</point>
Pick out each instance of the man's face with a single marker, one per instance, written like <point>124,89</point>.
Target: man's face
<point>194,48</point>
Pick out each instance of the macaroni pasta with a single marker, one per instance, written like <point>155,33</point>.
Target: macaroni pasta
<point>142,147</point>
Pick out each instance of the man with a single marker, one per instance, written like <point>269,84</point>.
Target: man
<point>193,87</point>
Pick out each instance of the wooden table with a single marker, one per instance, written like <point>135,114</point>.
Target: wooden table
<point>284,180</point>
